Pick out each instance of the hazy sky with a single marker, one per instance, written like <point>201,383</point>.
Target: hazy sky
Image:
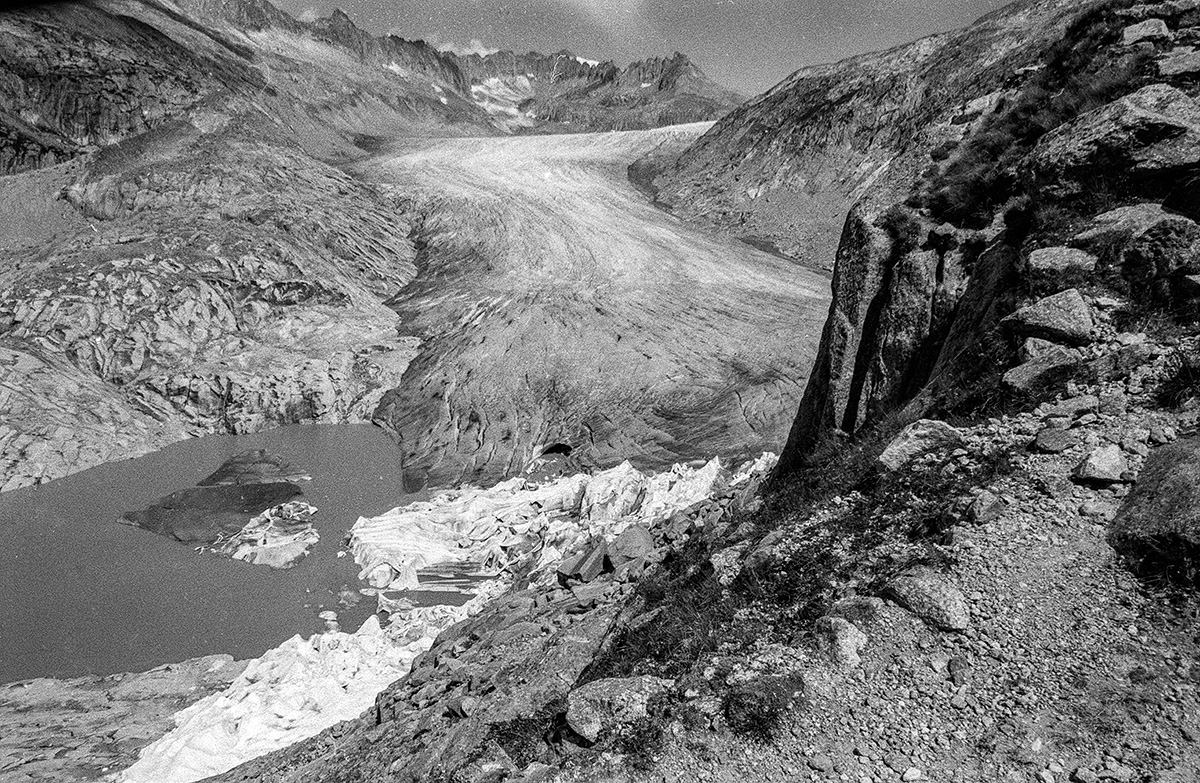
<point>748,45</point>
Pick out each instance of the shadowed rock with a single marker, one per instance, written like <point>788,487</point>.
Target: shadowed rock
<point>223,504</point>
<point>1158,526</point>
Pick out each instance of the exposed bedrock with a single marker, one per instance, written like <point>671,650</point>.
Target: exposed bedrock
<point>991,203</point>
<point>557,306</point>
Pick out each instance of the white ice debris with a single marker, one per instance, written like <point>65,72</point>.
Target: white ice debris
<point>294,691</point>
<point>305,686</point>
<point>482,526</point>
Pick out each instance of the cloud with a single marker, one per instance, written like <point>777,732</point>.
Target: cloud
<point>475,46</point>
<point>614,15</point>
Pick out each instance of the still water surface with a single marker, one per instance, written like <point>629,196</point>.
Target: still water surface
<point>80,593</point>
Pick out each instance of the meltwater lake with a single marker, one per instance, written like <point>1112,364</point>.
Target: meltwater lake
<point>81,593</point>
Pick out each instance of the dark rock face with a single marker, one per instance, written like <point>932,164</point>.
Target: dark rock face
<point>204,514</point>
<point>91,77</point>
<point>1158,526</point>
<point>220,505</point>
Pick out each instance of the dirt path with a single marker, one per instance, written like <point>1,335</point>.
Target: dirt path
<point>558,305</point>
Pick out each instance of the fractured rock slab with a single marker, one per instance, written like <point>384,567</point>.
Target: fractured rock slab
<point>920,437</point>
<point>1063,318</point>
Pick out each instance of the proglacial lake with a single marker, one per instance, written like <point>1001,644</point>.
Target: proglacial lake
<point>82,594</point>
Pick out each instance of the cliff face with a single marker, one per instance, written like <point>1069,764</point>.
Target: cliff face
<point>997,201</point>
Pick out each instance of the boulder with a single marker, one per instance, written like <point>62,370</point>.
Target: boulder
<point>839,639</point>
<point>1147,137</point>
<point>983,508</point>
<point>1049,266</point>
<point>934,600</point>
<point>920,437</point>
<point>586,565</point>
<point>1053,440</point>
<point>1149,245</point>
<point>1036,348</point>
<point>1104,465</point>
<point>1063,317</point>
<point>608,705</point>
<point>1118,364</point>
<point>1149,30</point>
<point>633,543</point>
<point>1184,61</point>
<point>1157,528</point>
<point>1043,374</point>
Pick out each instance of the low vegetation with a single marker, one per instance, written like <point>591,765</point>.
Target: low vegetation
<point>1078,75</point>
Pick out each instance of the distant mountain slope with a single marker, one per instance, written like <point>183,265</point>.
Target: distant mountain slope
<point>785,167</point>
<point>80,75</point>
<point>533,89</point>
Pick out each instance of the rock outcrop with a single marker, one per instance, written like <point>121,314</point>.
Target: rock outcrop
<point>1158,526</point>
<point>924,279</point>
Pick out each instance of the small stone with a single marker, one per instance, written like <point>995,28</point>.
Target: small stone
<point>820,763</point>
<point>1085,775</point>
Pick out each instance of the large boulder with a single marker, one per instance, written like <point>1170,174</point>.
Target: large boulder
<point>1047,372</point>
<point>1183,61</point>
<point>1062,318</point>
<point>1150,246</point>
<point>612,704</point>
<point>920,437</point>
<point>1149,137</point>
<point>1052,267</point>
<point>931,598</point>
<point>1158,526</point>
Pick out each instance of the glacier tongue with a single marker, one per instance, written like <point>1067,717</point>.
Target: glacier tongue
<point>304,686</point>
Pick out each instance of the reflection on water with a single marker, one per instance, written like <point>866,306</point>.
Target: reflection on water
<point>80,593</point>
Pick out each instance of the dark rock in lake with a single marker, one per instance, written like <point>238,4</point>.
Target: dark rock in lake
<point>204,514</point>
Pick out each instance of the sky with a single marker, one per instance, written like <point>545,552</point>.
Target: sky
<point>747,45</point>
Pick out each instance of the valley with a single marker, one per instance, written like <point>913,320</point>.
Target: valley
<point>556,305</point>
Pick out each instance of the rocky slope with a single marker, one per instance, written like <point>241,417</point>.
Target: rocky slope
<point>785,167</point>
